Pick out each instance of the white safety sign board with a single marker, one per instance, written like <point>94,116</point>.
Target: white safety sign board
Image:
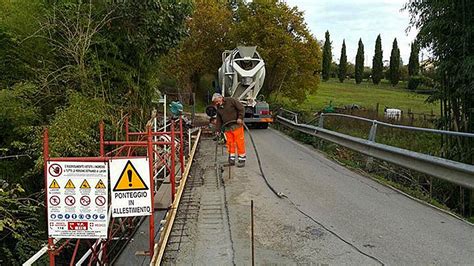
<point>77,199</point>
<point>130,187</point>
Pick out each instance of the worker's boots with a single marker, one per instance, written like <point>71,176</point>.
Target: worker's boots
<point>241,161</point>
<point>231,160</point>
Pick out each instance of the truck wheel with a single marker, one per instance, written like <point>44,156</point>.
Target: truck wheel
<point>264,125</point>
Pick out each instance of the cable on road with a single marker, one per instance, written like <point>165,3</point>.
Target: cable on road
<point>278,194</point>
<point>220,180</point>
<point>281,195</point>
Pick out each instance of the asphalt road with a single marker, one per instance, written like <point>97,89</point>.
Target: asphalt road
<point>375,219</point>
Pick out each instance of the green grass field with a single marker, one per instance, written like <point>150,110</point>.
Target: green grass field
<point>367,95</point>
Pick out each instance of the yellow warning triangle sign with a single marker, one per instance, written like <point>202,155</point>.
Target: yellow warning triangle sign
<point>130,179</point>
<point>100,184</point>
<point>54,184</point>
<point>70,184</point>
<point>85,184</point>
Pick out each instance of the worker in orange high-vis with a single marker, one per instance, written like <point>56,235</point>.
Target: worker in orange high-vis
<point>230,119</point>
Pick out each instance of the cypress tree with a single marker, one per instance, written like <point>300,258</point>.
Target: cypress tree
<point>377,62</point>
<point>395,64</point>
<point>342,63</point>
<point>359,66</point>
<point>413,63</point>
<point>327,57</point>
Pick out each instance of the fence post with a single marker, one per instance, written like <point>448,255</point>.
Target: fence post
<point>373,131</point>
<point>193,114</point>
<point>172,170</point>
<point>321,121</point>
<point>410,116</point>
<point>471,202</point>
<point>372,134</point>
<point>152,190</point>
<point>181,145</point>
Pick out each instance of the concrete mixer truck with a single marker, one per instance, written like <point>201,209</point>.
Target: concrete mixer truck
<point>241,76</point>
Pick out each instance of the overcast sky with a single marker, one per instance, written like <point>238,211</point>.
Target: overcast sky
<point>354,19</point>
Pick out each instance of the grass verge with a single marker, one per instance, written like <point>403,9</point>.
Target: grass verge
<point>366,95</point>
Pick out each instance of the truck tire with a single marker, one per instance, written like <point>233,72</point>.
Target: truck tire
<point>263,125</point>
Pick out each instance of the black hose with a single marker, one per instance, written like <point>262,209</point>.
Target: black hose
<point>278,194</point>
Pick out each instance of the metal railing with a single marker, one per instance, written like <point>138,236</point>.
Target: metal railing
<point>376,122</point>
<point>456,172</point>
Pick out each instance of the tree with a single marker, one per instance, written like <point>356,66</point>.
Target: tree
<point>140,33</point>
<point>359,66</point>
<point>109,50</point>
<point>20,56</point>
<point>452,52</point>
<point>200,52</point>
<point>395,64</point>
<point>327,57</point>
<point>342,63</point>
<point>414,63</point>
<point>377,62</point>
<point>292,55</point>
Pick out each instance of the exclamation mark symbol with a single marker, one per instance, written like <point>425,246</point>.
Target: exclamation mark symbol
<point>129,173</point>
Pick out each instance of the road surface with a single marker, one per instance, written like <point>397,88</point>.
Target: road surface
<point>366,223</point>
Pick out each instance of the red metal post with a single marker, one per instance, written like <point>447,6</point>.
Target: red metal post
<point>173,168</point>
<point>75,252</point>
<point>58,250</point>
<point>101,131</point>
<point>126,128</point>
<point>45,161</point>
<point>152,190</point>
<point>181,145</point>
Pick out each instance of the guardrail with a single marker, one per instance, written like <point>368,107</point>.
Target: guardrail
<point>458,173</point>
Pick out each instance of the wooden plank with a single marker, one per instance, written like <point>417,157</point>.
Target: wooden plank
<point>163,197</point>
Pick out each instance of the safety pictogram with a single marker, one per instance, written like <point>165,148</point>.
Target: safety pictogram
<point>85,184</point>
<point>100,201</point>
<point>54,184</point>
<point>70,184</point>
<point>55,170</point>
<point>54,200</point>
<point>85,200</point>
<point>70,200</point>
<point>100,184</point>
<point>130,179</point>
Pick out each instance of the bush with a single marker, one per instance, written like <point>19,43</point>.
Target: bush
<point>367,74</point>
<point>21,229</point>
<point>419,83</point>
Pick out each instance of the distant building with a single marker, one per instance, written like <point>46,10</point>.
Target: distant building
<point>427,65</point>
